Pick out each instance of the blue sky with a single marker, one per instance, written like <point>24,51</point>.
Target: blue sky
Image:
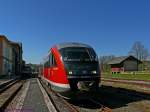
<point>110,26</point>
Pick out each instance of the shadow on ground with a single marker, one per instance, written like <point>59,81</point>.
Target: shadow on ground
<point>85,103</point>
<point>115,97</point>
<point>112,97</point>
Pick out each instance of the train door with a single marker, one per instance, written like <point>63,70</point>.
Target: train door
<point>53,68</point>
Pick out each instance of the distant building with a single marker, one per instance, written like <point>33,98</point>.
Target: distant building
<point>17,56</point>
<point>34,67</point>
<point>124,63</point>
<point>10,56</point>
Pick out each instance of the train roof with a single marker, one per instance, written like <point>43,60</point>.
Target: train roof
<point>71,44</point>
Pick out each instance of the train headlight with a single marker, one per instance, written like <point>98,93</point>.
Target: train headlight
<point>94,72</point>
<point>70,72</point>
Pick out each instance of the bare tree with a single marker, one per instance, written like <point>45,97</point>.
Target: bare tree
<point>139,51</point>
<point>105,59</point>
<point>103,62</point>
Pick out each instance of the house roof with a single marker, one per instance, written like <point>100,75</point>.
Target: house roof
<point>118,60</point>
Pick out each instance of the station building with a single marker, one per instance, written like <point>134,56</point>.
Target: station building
<point>10,56</point>
<point>124,64</point>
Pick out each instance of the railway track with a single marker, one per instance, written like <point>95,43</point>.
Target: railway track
<point>121,94</point>
<point>120,99</point>
<point>105,97</point>
<point>74,105</point>
<point>139,83</point>
<point>103,108</point>
<point>142,94</point>
<point>8,92</point>
<point>7,85</point>
<point>89,105</point>
<point>59,103</point>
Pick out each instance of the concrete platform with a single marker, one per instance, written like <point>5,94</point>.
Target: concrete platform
<point>34,100</point>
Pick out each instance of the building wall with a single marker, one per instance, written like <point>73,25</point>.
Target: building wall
<point>10,56</point>
<point>130,65</point>
<point>17,57</point>
<point>7,62</point>
<point>117,68</point>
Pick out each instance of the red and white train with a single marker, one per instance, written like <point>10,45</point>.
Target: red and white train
<point>71,68</point>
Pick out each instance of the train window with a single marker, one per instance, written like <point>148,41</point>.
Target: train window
<point>78,54</point>
<point>92,54</point>
<point>46,64</point>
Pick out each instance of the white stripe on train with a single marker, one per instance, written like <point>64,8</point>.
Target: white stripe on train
<point>57,84</point>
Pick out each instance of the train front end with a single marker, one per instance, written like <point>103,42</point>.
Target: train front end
<point>82,69</point>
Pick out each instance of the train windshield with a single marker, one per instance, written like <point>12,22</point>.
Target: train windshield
<point>78,54</point>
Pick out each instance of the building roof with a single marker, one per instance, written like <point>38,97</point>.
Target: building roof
<point>71,44</point>
<point>4,37</point>
<point>16,43</point>
<point>11,42</point>
<point>118,60</point>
